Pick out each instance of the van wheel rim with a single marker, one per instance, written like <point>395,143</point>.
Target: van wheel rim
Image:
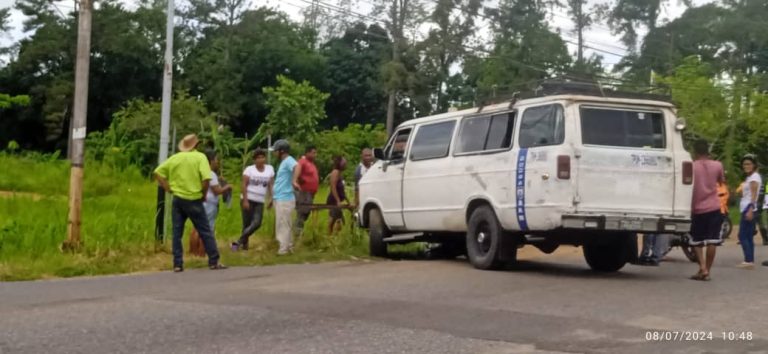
<point>483,238</point>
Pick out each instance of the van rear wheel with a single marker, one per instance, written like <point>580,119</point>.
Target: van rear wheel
<point>608,253</point>
<point>486,246</point>
<point>377,232</point>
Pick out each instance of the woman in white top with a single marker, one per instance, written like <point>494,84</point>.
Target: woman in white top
<point>256,190</point>
<point>748,208</point>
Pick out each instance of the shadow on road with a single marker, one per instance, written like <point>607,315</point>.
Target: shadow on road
<point>544,267</point>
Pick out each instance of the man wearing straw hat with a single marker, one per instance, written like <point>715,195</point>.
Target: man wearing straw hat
<point>187,175</point>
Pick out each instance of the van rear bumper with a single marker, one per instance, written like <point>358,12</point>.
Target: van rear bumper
<point>627,223</point>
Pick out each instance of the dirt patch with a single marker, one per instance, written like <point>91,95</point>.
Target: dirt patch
<point>529,252</point>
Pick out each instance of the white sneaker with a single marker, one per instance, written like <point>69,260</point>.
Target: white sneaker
<point>746,265</point>
<point>282,252</point>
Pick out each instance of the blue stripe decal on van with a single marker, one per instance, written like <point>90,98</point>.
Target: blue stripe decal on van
<point>520,189</point>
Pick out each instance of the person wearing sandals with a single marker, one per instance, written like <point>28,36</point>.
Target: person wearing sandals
<point>187,175</point>
<point>256,188</point>
<point>706,219</point>
<point>748,209</point>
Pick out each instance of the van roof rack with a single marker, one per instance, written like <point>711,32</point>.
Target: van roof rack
<point>552,88</point>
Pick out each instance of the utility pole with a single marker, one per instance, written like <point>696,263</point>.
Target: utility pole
<point>82,68</point>
<point>397,16</point>
<point>165,118</point>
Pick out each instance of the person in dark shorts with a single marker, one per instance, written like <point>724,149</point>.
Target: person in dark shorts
<point>306,181</point>
<point>707,219</point>
<point>338,194</point>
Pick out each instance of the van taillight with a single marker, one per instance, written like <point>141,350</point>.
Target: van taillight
<point>564,167</point>
<point>687,172</point>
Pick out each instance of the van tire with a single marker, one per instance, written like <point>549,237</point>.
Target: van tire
<point>377,232</point>
<point>487,251</point>
<point>608,253</point>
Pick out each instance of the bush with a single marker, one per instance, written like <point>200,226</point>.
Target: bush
<point>133,136</point>
<point>348,142</point>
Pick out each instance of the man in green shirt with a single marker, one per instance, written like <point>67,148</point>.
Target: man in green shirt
<point>186,175</point>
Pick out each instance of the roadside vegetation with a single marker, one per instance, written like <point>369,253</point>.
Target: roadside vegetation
<point>118,225</point>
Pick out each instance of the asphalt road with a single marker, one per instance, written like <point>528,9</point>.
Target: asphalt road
<point>549,303</point>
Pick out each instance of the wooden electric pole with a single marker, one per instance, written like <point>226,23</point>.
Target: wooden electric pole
<point>80,113</point>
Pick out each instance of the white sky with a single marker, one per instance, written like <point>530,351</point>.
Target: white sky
<point>598,36</point>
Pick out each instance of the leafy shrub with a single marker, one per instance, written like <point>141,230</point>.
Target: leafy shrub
<point>133,136</point>
<point>348,142</point>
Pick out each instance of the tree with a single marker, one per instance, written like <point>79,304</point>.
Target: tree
<point>126,63</point>
<point>331,20</point>
<point>583,18</point>
<point>453,25</point>
<point>5,14</point>
<point>216,13</point>
<point>400,16</point>
<point>354,75</point>
<point>229,66</point>
<point>626,17</point>
<point>525,51</point>
<point>696,33</point>
<point>295,110</point>
<point>730,114</point>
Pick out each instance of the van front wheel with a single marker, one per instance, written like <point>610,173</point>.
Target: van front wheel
<point>485,242</point>
<point>377,232</point>
<point>609,254</point>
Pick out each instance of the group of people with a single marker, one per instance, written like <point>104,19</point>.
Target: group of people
<point>709,207</point>
<point>192,178</point>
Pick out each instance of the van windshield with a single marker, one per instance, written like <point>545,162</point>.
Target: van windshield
<point>622,128</point>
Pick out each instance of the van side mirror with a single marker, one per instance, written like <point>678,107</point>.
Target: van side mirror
<point>680,124</point>
<point>378,153</point>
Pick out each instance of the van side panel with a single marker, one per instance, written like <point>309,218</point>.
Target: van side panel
<point>429,196</point>
<point>437,192</point>
<point>546,196</point>
<point>489,177</point>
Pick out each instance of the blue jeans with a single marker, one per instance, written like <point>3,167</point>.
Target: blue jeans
<point>212,212</point>
<point>194,211</point>
<point>747,237</point>
<point>654,246</point>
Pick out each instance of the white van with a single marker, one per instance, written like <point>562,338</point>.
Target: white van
<point>576,169</point>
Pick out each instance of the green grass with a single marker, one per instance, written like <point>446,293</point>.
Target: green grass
<point>118,226</point>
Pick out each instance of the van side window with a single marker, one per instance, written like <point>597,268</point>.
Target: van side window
<point>473,134</point>
<point>500,135</point>
<point>397,145</point>
<point>486,133</point>
<point>542,126</point>
<point>622,128</point>
<point>432,141</point>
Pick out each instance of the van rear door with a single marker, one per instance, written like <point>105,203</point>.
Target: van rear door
<point>626,163</point>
